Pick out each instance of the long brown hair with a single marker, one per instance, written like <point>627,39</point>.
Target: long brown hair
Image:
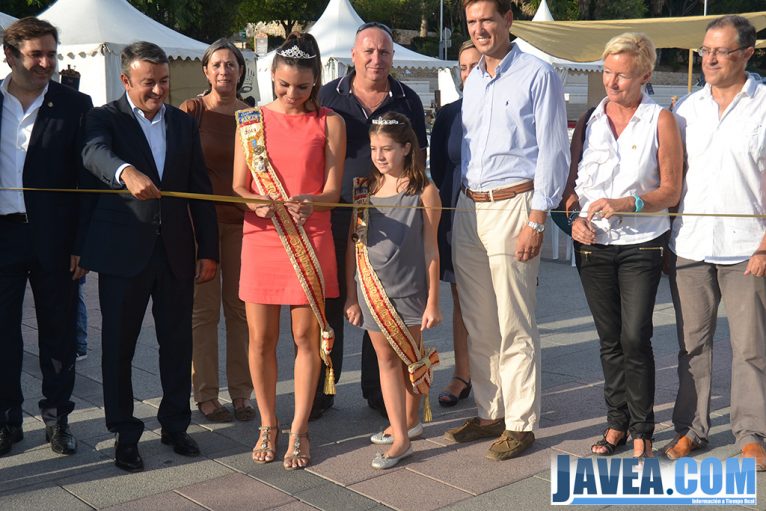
<point>307,45</point>
<point>398,128</point>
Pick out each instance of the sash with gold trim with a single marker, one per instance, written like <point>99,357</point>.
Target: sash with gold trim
<point>293,236</point>
<point>419,359</point>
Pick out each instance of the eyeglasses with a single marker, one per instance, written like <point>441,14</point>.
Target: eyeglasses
<point>376,24</point>
<point>718,52</point>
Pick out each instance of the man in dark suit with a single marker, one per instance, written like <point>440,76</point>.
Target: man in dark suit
<point>143,245</point>
<point>40,232</point>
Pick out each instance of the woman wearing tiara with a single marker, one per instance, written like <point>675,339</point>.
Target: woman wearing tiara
<point>289,155</point>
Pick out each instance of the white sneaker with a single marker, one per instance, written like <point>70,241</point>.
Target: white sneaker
<point>381,438</point>
<point>82,357</point>
<point>382,462</point>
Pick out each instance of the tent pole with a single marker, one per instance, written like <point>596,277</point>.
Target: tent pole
<point>691,65</point>
<point>442,49</point>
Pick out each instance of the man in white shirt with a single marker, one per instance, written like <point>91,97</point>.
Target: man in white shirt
<point>40,232</point>
<point>718,257</point>
<point>515,163</point>
<point>145,245</point>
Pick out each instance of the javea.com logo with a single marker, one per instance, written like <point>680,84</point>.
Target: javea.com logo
<point>627,481</point>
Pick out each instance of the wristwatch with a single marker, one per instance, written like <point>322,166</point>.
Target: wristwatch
<point>639,203</point>
<point>539,228</point>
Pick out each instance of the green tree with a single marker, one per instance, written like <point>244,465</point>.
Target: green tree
<point>612,9</point>
<point>287,13</point>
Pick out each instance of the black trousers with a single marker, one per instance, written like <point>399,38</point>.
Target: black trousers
<point>341,219</point>
<point>620,284</point>
<point>55,295</point>
<point>123,305</point>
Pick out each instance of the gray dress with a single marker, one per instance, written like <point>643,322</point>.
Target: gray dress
<point>396,252</point>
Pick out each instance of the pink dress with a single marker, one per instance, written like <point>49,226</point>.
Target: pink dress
<point>295,144</point>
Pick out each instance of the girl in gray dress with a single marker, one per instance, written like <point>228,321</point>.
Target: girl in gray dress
<point>402,250</point>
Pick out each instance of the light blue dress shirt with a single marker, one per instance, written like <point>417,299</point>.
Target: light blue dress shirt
<point>515,128</point>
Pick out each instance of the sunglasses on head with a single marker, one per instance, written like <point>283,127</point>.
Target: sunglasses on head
<point>375,24</point>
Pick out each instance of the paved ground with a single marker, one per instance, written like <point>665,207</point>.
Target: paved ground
<point>439,475</point>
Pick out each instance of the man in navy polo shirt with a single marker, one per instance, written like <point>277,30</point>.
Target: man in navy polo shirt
<point>366,93</point>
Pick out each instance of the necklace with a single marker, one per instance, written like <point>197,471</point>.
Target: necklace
<point>366,106</point>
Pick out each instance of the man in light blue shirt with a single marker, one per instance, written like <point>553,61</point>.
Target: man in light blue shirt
<point>515,163</point>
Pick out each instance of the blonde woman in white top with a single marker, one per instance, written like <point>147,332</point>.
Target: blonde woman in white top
<point>628,160</point>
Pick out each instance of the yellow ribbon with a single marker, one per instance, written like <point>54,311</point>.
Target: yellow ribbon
<point>242,200</point>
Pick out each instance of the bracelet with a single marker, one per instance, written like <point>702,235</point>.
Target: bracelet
<point>572,217</point>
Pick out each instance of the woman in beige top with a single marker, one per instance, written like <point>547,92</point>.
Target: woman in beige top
<point>224,68</point>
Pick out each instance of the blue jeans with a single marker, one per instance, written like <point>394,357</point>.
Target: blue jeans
<point>81,336</point>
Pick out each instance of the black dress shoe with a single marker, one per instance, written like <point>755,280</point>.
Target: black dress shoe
<point>9,435</point>
<point>127,458</point>
<point>61,439</point>
<point>376,403</point>
<point>182,443</point>
<point>322,403</point>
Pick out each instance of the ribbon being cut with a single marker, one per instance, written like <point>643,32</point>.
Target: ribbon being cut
<point>293,236</point>
<point>418,359</point>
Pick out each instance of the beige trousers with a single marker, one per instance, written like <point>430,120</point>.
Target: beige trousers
<point>208,297</point>
<point>498,297</point>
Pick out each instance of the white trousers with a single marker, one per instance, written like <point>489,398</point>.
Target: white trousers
<point>498,297</point>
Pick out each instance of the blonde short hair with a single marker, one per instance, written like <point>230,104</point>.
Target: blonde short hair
<point>636,44</point>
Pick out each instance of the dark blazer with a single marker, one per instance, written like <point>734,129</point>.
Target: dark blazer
<point>123,230</point>
<point>53,160</point>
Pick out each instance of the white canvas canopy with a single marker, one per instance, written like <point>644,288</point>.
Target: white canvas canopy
<point>93,32</point>
<point>5,20</point>
<point>335,32</point>
<point>563,66</point>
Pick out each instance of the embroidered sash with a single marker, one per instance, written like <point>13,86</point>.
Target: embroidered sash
<point>293,236</point>
<point>419,359</point>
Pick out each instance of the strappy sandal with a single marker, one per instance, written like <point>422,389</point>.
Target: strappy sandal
<point>645,453</point>
<point>610,447</point>
<point>448,399</point>
<point>267,447</point>
<point>292,457</point>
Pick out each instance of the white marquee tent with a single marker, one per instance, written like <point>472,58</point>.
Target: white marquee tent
<point>562,66</point>
<point>335,31</point>
<point>92,34</point>
<point>5,20</point>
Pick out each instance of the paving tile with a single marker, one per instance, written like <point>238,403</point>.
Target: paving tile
<point>164,471</point>
<point>404,489</point>
<point>32,462</point>
<point>530,494</point>
<point>464,466</point>
<point>168,501</point>
<point>295,505</point>
<point>41,498</point>
<point>349,462</point>
<point>336,498</point>
<point>235,491</point>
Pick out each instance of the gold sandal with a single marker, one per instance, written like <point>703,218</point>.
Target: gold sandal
<point>267,447</point>
<point>291,460</point>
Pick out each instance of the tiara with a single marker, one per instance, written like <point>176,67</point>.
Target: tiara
<point>385,122</point>
<point>294,53</point>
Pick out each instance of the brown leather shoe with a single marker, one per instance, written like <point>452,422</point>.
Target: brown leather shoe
<point>473,430</point>
<point>510,444</point>
<point>681,447</point>
<point>755,450</point>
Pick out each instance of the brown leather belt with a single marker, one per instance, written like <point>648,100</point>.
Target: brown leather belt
<point>499,193</point>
